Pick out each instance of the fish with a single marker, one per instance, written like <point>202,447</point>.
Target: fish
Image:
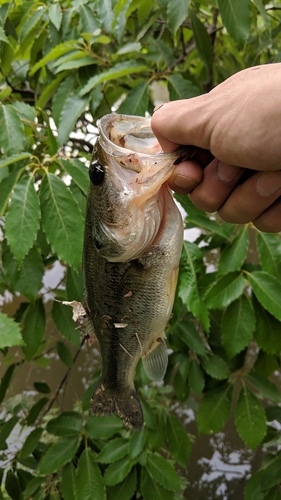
<point>132,246</point>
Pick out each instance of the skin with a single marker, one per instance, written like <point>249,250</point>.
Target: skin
<point>236,129</point>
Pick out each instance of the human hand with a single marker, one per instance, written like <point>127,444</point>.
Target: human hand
<point>237,131</point>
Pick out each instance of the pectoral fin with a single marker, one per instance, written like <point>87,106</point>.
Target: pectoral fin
<point>155,361</point>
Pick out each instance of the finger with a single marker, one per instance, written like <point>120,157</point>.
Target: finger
<point>218,182</point>
<point>270,220</point>
<point>249,200</point>
<point>185,177</point>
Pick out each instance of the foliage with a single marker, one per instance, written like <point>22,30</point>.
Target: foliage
<point>64,65</point>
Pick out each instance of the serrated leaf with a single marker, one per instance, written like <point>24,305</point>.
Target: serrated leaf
<point>31,21</point>
<point>238,325</point>
<point>3,37</point>
<point>6,378</point>
<point>62,316</point>
<point>196,378</point>
<point>23,218</point>
<point>64,353</point>
<point>137,443</point>
<point>117,471</point>
<point>163,472</point>
<point>79,173</point>
<point>9,332</point>
<point>56,52</point>
<point>117,71</point>
<point>191,261</point>
<point>112,451</point>
<point>55,15</point>
<point>32,486</point>
<point>190,336</point>
<point>72,110</point>
<point>61,96</point>
<point>136,102</point>
<point>264,386</point>
<point>58,454</point>
<point>181,88</point>
<point>79,61</point>
<point>202,40</point>
<point>177,12</point>
<point>66,424</point>
<point>6,187</point>
<point>267,333</point>
<point>178,440</point>
<point>35,410</point>
<point>34,328</point>
<point>30,443</point>
<point>269,246</point>
<point>12,136</point>
<point>62,220</point>
<point>233,256</point>
<point>225,290</point>
<point>103,427</point>
<point>250,419</point>
<point>12,486</point>
<point>106,15</point>
<point>30,275</point>
<point>124,490</point>
<point>14,159</point>
<point>89,19</point>
<point>89,482</point>
<point>267,289</point>
<point>214,409</point>
<point>5,430</point>
<point>216,367</point>
<point>68,482</point>
<point>151,489</point>
<point>49,91</point>
<point>236,17</point>
<point>74,285</point>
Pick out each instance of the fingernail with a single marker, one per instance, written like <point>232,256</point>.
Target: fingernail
<point>184,182</point>
<point>158,107</point>
<point>228,172</point>
<point>269,182</point>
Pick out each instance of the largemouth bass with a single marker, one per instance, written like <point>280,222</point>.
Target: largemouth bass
<point>132,248</point>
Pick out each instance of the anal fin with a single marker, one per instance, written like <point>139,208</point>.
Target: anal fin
<point>155,361</point>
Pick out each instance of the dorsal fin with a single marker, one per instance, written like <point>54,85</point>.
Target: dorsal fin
<point>155,361</point>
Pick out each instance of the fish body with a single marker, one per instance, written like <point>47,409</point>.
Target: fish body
<point>132,246</point>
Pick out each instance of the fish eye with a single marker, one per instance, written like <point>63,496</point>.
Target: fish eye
<point>96,173</point>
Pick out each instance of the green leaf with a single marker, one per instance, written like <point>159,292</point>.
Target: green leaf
<point>30,443</point>
<point>103,427</point>
<point>137,443</point>
<point>89,481</point>
<point>236,17</point>
<point>117,71</point>
<point>114,450</point>
<point>14,159</point>
<point>216,367</point>
<point>3,37</point>
<point>32,19</point>
<point>178,440</point>
<point>250,419</point>
<point>177,12</point>
<point>124,490</point>
<point>163,471</point>
<point>136,102</point>
<point>72,110</point>
<point>190,336</point>
<point>66,424</point>
<point>34,328</point>
<point>6,187</point>
<point>54,54</point>
<point>62,220</point>
<point>238,325</point>
<point>74,285</point>
<point>6,378</point>
<point>49,91</point>
<point>58,454</point>
<point>267,289</point>
<point>269,248</point>
<point>32,486</point>
<point>12,485</point>
<point>214,409</point>
<point>62,316</point>
<point>117,471</point>
<point>55,15</point>
<point>79,173</point>
<point>6,429</point>
<point>22,220</point>
<point>267,333</point>
<point>196,378</point>
<point>181,88</point>
<point>9,332</point>
<point>225,290</point>
<point>29,278</point>
<point>61,97</point>
<point>12,131</point>
<point>68,482</point>
<point>35,410</point>
<point>64,354</point>
<point>42,387</point>
<point>191,261</point>
<point>266,388</point>
<point>234,254</point>
<point>202,40</point>
<point>261,8</point>
<point>151,489</point>
<point>89,19</point>
<point>106,15</point>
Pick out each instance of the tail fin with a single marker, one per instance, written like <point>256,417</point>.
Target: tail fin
<point>124,404</point>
